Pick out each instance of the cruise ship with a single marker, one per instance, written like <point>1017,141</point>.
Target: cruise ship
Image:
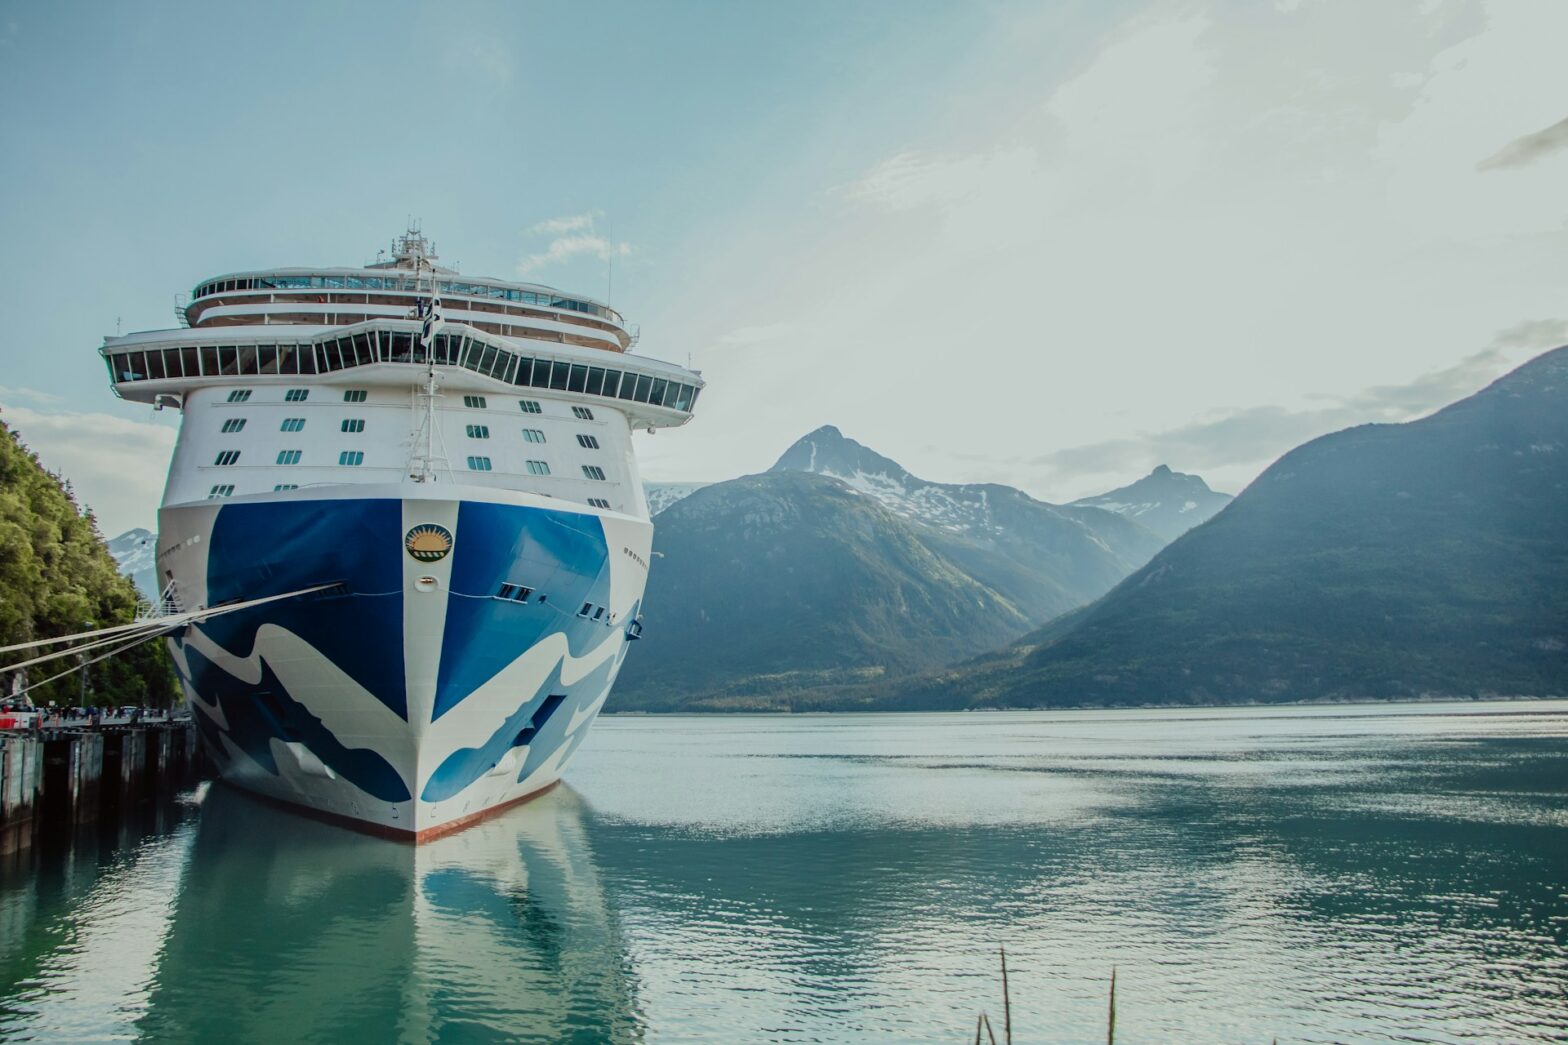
<point>413,497</point>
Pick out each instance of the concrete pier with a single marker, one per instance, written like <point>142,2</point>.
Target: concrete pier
<point>59,779</point>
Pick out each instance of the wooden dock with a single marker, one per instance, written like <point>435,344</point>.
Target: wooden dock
<point>63,773</point>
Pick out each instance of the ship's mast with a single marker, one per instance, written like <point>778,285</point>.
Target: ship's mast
<point>412,248</point>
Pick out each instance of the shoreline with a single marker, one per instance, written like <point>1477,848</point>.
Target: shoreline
<point>1359,702</point>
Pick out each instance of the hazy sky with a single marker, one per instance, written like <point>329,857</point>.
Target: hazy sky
<point>1046,244</point>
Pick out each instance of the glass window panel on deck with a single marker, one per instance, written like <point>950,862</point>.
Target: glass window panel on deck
<point>362,350</point>
<point>247,363</point>
<point>525,369</point>
<point>155,370</point>
<point>209,361</point>
<point>446,348</point>
<point>628,386</point>
<point>683,397</point>
<point>402,347</point>
<point>190,360</point>
<point>497,365</point>
<point>267,358</point>
<point>541,378</point>
<point>228,360</point>
<point>559,372</point>
<point>644,383</point>
<point>486,359</point>
<point>656,396</point>
<point>612,378</point>
<point>578,377</point>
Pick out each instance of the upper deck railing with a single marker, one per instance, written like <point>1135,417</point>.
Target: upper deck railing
<point>393,341</point>
<point>446,286</point>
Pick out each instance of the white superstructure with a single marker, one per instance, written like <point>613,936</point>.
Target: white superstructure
<point>452,459</point>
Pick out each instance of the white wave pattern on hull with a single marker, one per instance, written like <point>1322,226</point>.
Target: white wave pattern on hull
<point>349,710</point>
<point>457,748</point>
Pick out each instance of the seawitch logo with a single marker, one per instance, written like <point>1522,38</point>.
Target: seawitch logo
<point>428,542</point>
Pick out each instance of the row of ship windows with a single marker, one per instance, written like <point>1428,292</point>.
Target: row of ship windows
<point>359,395</point>
<point>373,346</point>
<point>521,592</point>
<point>529,406</point>
<point>293,424</point>
<point>355,458</point>
<point>354,425</point>
<point>478,463</point>
<point>473,290</point>
<point>227,490</point>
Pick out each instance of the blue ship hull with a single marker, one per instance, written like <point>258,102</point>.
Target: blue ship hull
<point>454,662</point>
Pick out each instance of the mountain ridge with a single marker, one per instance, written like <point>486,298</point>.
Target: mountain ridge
<point>1384,561</point>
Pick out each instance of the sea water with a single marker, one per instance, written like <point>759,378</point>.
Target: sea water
<point>1306,874</point>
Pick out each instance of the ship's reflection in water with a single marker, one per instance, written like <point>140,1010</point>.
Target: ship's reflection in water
<point>281,928</point>
<point>498,930</point>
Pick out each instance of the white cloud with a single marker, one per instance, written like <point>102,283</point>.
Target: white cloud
<point>1214,209</point>
<point>564,224</point>
<point>31,395</point>
<point>115,465</point>
<point>574,236</point>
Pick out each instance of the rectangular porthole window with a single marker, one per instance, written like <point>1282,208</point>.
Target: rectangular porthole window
<point>234,424</point>
<point>292,424</point>
<point>538,468</point>
<point>239,395</point>
<point>474,402</point>
<point>479,464</point>
<point>296,395</point>
<point>220,491</point>
<point>583,412</point>
<point>351,458</point>
<point>352,424</point>
<point>599,502</point>
<point>355,395</point>
<point>587,442</point>
<point>533,435</point>
<point>528,406</point>
<point>593,471</point>
<point>479,431</point>
<point>285,486</point>
<point>514,592</point>
<point>227,458</point>
<point>289,456</point>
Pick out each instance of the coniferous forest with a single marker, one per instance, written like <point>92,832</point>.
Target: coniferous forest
<point>57,578</point>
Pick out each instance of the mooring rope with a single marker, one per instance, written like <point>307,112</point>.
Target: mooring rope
<point>140,631</point>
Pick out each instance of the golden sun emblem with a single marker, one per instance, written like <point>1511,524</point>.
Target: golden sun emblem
<point>428,542</point>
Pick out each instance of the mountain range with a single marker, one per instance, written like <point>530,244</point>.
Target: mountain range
<point>1385,561</point>
<point>838,567</point>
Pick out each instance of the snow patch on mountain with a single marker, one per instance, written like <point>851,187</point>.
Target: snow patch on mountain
<point>662,495</point>
<point>136,553</point>
<point>1169,503</point>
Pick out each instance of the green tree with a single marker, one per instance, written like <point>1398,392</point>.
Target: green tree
<point>57,578</point>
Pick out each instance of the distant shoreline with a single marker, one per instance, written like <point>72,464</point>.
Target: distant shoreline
<point>1359,702</point>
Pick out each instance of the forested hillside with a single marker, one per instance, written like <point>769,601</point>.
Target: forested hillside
<point>57,578</point>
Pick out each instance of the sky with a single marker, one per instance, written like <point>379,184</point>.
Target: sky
<point>1047,244</point>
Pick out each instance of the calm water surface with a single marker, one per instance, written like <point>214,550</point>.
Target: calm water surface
<point>1311,874</point>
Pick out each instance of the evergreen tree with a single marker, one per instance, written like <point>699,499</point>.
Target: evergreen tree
<point>57,578</point>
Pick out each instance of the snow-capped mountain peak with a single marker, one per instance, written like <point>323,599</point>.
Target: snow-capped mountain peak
<point>1167,502</point>
<point>136,552</point>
